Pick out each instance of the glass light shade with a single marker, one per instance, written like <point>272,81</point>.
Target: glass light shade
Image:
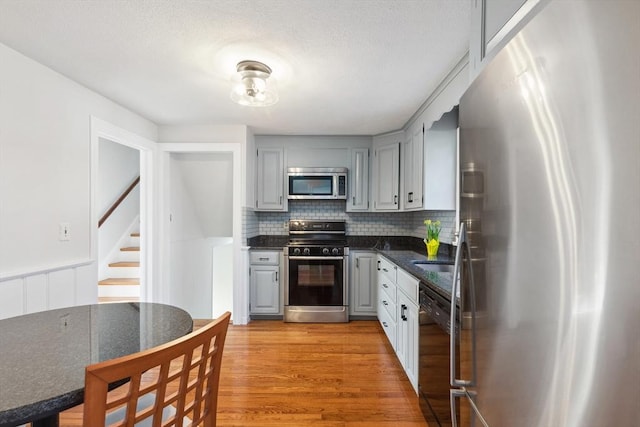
<point>253,85</point>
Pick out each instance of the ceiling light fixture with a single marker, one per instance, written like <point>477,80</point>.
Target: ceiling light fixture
<point>253,85</point>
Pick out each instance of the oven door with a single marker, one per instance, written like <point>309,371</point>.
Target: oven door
<point>316,281</point>
<point>316,289</point>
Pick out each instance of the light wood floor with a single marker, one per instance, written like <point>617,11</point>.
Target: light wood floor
<point>291,374</point>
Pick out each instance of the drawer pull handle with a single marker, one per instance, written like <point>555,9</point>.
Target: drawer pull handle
<point>263,259</point>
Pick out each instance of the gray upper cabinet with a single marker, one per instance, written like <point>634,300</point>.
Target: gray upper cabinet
<point>493,23</point>
<point>440,163</point>
<point>413,168</point>
<point>358,199</point>
<point>270,182</point>
<point>386,177</point>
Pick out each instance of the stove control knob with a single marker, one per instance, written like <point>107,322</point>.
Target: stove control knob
<point>325,251</point>
<point>296,251</point>
<point>306,251</point>
<point>335,251</point>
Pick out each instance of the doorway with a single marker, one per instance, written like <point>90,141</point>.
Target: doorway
<point>118,199</point>
<point>200,228</point>
<point>139,153</point>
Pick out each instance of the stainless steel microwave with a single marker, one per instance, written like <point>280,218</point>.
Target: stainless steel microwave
<point>317,183</point>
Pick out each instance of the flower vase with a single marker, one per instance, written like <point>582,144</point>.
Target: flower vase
<point>432,248</point>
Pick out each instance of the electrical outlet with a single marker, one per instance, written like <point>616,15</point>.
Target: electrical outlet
<point>64,232</point>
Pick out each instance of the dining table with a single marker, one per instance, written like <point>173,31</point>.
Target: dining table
<point>43,355</point>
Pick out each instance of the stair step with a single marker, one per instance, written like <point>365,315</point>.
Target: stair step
<point>131,249</point>
<point>119,282</point>
<point>125,264</point>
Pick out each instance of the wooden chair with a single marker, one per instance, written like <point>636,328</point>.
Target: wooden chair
<point>175,384</point>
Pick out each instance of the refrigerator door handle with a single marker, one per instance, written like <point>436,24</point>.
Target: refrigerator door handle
<point>463,245</point>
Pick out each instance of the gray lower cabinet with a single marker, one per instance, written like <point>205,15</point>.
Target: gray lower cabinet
<point>398,314</point>
<point>265,277</point>
<point>363,300</point>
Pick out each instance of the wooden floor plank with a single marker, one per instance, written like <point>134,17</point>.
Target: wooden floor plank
<point>293,374</point>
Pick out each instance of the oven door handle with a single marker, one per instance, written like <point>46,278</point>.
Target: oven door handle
<point>341,258</point>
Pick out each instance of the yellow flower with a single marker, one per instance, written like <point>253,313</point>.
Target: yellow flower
<point>433,229</point>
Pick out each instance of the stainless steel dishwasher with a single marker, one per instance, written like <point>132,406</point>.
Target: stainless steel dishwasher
<point>433,371</point>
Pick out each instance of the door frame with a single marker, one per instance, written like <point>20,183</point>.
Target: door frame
<point>147,149</point>
<point>240,287</point>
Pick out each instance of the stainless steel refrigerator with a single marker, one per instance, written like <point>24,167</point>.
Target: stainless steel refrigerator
<point>550,204</point>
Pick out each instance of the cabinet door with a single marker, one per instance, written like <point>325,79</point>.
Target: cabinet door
<point>359,180</point>
<point>413,162</point>
<point>270,185</point>
<point>407,337</point>
<point>493,22</point>
<point>265,289</point>
<point>386,177</point>
<point>440,153</point>
<point>363,285</point>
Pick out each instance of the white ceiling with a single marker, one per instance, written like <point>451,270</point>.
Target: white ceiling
<point>344,67</point>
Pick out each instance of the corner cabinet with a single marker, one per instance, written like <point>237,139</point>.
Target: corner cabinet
<point>271,183</point>
<point>386,172</point>
<point>359,180</point>
<point>264,283</point>
<point>398,314</point>
<point>363,300</point>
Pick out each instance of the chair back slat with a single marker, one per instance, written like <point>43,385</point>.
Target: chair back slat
<point>174,384</point>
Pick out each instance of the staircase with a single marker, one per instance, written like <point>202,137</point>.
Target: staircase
<point>123,282</point>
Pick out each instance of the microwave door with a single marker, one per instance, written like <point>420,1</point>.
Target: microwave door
<point>310,186</point>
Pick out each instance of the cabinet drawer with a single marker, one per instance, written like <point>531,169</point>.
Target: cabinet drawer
<point>387,269</point>
<point>388,325</point>
<point>264,257</point>
<point>386,287</point>
<point>385,304</point>
<point>409,285</point>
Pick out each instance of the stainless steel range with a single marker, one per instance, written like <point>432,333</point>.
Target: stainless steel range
<point>315,260</point>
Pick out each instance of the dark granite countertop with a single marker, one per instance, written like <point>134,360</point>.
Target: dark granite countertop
<point>400,250</point>
<point>43,355</point>
<point>440,282</point>
<point>268,242</point>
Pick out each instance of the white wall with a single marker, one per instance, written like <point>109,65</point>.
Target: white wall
<point>118,166</point>
<point>208,180</point>
<point>45,180</point>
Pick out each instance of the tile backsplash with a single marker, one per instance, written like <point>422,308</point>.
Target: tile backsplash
<point>358,223</point>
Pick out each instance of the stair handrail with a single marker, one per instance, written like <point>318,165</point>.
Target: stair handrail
<point>120,200</point>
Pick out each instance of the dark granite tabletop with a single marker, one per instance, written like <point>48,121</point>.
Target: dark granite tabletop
<point>43,355</point>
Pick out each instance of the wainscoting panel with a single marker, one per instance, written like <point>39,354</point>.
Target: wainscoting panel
<point>47,289</point>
